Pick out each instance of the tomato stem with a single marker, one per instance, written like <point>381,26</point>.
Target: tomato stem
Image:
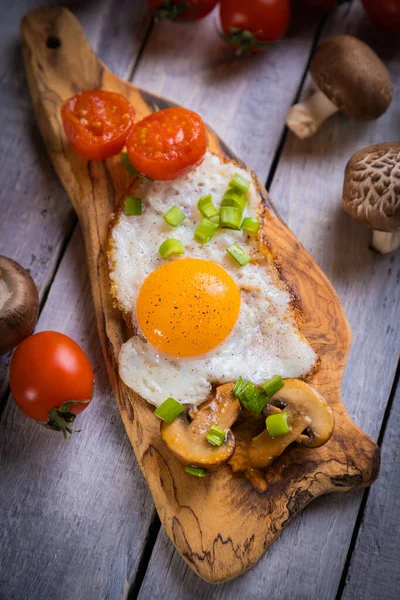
<point>61,418</point>
<point>244,41</point>
<point>169,10</point>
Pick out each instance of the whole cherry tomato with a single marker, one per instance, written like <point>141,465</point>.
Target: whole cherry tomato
<point>250,26</point>
<point>182,10</point>
<point>97,123</point>
<point>167,144</point>
<point>384,13</point>
<point>51,379</point>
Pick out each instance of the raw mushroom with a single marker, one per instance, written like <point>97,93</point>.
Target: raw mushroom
<point>348,77</point>
<point>19,304</point>
<point>187,439</point>
<point>371,193</point>
<point>309,418</point>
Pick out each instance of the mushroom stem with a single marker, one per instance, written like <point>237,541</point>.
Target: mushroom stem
<point>385,242</point>
<point>305,118</point>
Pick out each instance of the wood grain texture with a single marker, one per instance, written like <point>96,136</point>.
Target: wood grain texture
<point>194,515</point>
<point>37,217</point>
<point>307,192</point>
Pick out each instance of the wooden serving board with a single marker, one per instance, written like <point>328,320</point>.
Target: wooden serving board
<point>220,525</point>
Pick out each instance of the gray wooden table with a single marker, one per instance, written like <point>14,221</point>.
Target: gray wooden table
<point>77,521</point>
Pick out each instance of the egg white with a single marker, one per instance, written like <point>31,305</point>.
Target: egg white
<point>265,340</point>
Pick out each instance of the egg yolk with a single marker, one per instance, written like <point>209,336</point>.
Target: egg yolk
<point>188,306</point>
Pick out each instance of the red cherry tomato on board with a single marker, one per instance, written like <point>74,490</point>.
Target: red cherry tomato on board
<point>49,374</point>
<point>182,11</point>
<point>384,13</point>
<point>167,144</point>
<point>97,123</point>
<point>248,26</point>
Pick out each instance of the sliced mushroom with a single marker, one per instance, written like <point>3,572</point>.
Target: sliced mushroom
<point>19,304</point>
<point>348,77</point>
<point>187,439</point>
<point>371,193</point>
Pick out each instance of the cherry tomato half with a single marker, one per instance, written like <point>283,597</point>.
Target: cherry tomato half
<point>248,26</point>
<point>182,10</point>
<point>384,13</point>
<point>47,370</point>
<point>167,144</point>
<point>97,123</point>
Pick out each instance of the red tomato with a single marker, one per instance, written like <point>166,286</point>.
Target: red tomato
<point>167,144</point>
<point>248,26</point>
<point>47,370</point>
<point>385,13</point>
<point>182,10</point>
<point>97,123</point>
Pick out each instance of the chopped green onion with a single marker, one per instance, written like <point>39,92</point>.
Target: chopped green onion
<point>174,216</point>
<point>196,471</point>
<point>206,207</point>
<point>277,424</point>
<point>171,246</point>
<point>273,385</point>
<point>250,224</point>
<point>230,217</point>
<point>239,254</point>
<point>240,182</point>
<point>133,206</point>
<point>126,163</point>
<point>234,198</point>
<point>205,230</point>
<point>250,396</point>
<point>169,410</point>
<point>215,436</point>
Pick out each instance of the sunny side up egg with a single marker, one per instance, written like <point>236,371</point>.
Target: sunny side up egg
<point>198,319</point>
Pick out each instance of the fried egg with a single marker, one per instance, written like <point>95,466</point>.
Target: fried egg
<point>199,319</point>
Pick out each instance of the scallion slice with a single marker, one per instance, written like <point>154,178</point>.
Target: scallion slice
<point>250,224</point>
<point>230,217</point>
<point>273,385</point>
<point>174,216</point>
<point>206,207</point>
<point>196,471</point>
<point>277,424</point>
<point>133,206</point>
<point>240,182</point>
<point>126,163</point>
<point>215,436</point>
<point>234,198</point>
<point>171,246</point>
<point>205,230</point>
<point>250,396</point>
<point>237,252</point>
<point>169,410</point>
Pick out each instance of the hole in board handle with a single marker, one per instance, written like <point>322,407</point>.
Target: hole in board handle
<point>53,43</point>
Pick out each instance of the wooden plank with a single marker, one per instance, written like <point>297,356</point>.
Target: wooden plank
<point>74,517</point>
<point>374,570</point>
<point>308,559</point>
<point>37,216</point>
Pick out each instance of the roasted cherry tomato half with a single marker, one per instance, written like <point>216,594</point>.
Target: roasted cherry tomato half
<point>182,11</point>
<point>97,123</point>
<point>51,379</point>
<point>250,26</point>
<point>384,13</point>
<point>167,144</point>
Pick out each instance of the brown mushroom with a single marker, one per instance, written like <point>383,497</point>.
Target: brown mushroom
<point>19,304</point>
<point>371,193</point>
<point>309,417</point>
<point>348,77</point>
<point>187,439</point>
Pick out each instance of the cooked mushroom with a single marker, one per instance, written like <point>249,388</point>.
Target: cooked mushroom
<point>371,193</point>
<point>309,417</point>
<point>187,439</point>
<point>19,304</point>
<point>348,77</point>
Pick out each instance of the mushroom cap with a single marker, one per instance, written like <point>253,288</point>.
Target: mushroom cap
<point>19,304</point>
<point>187,439</point>
<point>353,77</point>
<point>371,189</point>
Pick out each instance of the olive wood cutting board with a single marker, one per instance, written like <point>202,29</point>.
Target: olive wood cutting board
<point>221,525</point>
